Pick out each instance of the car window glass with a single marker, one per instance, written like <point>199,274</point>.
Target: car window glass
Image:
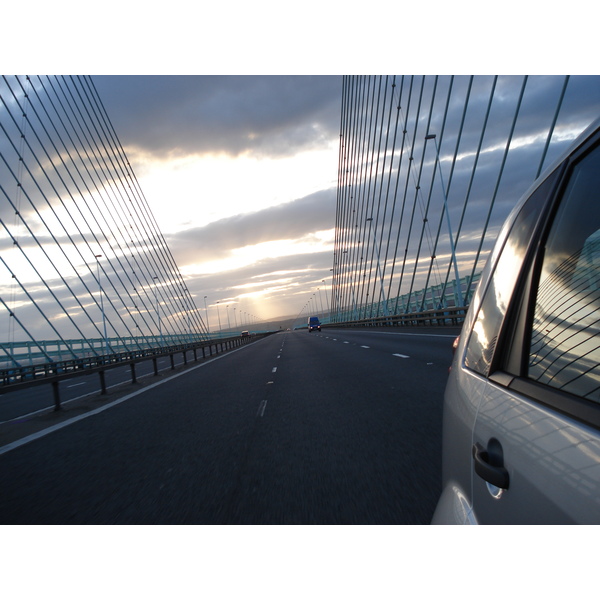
<point>484,335</point>
<point>565,337</point>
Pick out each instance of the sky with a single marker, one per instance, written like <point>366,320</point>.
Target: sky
<point>241,172</point>
<point>241,175</point>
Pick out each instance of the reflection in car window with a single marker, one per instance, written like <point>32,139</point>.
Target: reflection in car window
<point>484,335</point>
<point>565,338</point>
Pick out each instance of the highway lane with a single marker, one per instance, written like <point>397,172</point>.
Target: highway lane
<point>319,428</point>
<point>434,348</point>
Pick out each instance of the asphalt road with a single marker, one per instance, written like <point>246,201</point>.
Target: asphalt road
<point>338,427</point>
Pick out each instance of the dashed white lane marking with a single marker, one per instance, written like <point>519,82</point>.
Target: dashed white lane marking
<point>365,346</point>
<point>274,370</point>
<point>346,342</point>
<point>402,355</point>
<point>261,408</point>
<point>279,356</point>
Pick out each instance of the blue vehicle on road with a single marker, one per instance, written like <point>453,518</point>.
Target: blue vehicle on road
<point>313,323</point>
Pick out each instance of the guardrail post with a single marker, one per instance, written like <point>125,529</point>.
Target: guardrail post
<point>185,357</point>
<point>172,362</point>
<point>155,365</point>
<point>133,378</point>
<point>102,383</point>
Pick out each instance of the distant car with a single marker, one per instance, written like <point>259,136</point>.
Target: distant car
<point>245,333</point>
<point>313,323</point>
<point>521,433</point>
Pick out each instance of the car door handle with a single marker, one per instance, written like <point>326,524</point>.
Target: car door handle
<point>489,464</point>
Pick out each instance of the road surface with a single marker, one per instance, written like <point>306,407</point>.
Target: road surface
<point>336,427</point>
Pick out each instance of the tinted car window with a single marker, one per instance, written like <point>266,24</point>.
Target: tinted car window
<point>484,335</point>
<point>565,339</point>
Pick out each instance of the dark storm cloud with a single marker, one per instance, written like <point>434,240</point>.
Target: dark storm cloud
<point>288,221</point>
<point>180,115</point>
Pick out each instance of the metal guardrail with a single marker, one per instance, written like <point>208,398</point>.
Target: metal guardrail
<point>54,372</point>
<point>443,317</point>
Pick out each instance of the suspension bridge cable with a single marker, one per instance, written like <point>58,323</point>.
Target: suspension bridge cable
<point>144,208</point>
<point>44,196</point>
<point>82,201</point>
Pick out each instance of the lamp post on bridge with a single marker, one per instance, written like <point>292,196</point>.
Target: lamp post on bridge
<point>321,301</point>
<point>98,256</point>
<point>327,302</point>
<point>382,295</point>
<point>218,316</point>
<point>155,279</point>
<point>206,313</point>
<point>457,290</point>
<point>187,314</point>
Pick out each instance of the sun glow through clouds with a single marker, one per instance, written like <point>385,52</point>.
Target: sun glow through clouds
<point>197,190</point>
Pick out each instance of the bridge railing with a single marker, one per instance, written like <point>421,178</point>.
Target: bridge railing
<point>451,316</point>
<point>53,372</point>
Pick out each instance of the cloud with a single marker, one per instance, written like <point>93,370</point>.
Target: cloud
<point>271,287</point>
<point>288,221</point>
<point>169,116</point>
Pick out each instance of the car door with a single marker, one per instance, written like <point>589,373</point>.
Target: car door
<point>536,438</point>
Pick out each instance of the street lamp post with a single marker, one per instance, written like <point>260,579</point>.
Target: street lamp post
<point>321,302</point>
<point>158,311</point>
<point>187,314</point>
<point>98,256</point>
<point>206,313</point>
<point>457,290</point>
<point>382,295</point>
<point>327,302</point>
<point>218,316</point>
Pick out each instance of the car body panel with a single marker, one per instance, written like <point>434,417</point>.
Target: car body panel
<point>542,443</point>
<point>454,505</point>
<point>553,463</point>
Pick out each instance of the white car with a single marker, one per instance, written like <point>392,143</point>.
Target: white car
<point>521,434</point>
